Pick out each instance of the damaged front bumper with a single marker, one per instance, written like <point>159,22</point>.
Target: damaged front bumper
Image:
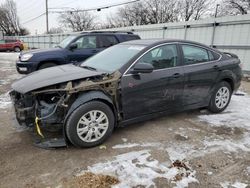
<point>46,108</point>
<point>24,106</point>
<point>50,106</point>
<point>40,111</point>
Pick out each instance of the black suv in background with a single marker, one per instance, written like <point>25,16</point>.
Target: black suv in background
<point>73,49</point>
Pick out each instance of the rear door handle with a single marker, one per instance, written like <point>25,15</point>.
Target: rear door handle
<point>176,75</point>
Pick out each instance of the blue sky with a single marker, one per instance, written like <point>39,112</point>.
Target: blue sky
<point>28,9</point>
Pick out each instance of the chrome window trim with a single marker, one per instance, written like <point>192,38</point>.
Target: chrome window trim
<point>210,49</point>
<point>159,45</point>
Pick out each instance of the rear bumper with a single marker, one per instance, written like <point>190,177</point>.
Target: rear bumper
<point>26,67</point>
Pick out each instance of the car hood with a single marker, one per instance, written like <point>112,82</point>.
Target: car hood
<point>39,52</point>
<point>52,76</point>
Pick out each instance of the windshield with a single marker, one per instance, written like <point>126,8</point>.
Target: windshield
<point>65,42</point>
<point>112,58</point>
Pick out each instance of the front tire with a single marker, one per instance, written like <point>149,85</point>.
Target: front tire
<point>90,124</point>
<point>220,98</point>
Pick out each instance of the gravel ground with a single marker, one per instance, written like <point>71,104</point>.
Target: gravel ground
<point>191,149</point>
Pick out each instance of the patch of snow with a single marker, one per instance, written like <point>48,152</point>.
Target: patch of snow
<point>124,139</point>
<point>126,145</point>
<point>183,151</point>
<point>185,181</point>
<point>236,114</point>
<point>5,101</point>
<point>3,82</point>
<point>139,168</point>
<point>5,57</point>
<point>235,185</point>
<point>239,185</point>
<point>225,184</point>
<point>131,145</point>
<point>230,145</point>
<point>248,169</point>
<point>209,173</point>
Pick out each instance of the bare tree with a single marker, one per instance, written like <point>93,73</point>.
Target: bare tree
<point>234,7</point>
<point>9,21</point>
<point>144,12</point>
<point>193,9</point>
<point>77,20</point>
<point>160,11</point>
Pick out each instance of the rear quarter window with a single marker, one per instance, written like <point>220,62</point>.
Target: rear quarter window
<point>195,54</point>
<point>107,41</point>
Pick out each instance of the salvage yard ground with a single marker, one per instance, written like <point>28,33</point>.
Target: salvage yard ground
<point>191,149</point>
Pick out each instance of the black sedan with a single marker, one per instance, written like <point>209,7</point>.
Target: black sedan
<point>130,82</point>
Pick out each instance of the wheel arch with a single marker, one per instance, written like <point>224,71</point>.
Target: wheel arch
<point>90,96</point>
<point>47,61</point>
<point>229,77</point>
<point>230,81</point>
<point>84,98</point>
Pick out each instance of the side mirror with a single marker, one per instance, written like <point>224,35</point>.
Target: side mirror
<point>73,46</point>
<point>142,68</point>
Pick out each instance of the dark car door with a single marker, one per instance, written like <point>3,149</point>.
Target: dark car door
<point>201,70</point>
<point>160,90</point>
<point>86,47</point>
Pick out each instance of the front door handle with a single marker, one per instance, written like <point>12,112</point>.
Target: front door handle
<point>176,75</point>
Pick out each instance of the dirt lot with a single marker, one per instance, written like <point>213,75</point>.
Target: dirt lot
<point>192,149</point>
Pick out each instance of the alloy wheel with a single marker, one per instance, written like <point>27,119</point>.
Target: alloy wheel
<point>92,126</point>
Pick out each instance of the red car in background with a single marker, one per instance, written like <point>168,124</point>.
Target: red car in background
<point>11,45</point>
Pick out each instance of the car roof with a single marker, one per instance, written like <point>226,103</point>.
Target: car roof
<point>108,33</point>
<point>152,42</point>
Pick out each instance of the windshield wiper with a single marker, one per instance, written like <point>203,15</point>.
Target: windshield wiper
<point>89,68</point>
<point>58,46</point>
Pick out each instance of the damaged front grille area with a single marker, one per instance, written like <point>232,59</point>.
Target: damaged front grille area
<point>24,107</point>
<point>45,107</point>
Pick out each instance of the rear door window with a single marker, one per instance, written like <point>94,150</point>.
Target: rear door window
<point>194,54</point>
<point>106,41</point>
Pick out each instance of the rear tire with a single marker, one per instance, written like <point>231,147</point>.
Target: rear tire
<point>220,98</point>
<point>46,65</point>
<point>17,49</point>
<point>90,124</point>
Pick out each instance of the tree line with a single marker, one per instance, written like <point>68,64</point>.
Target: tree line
<point>140,13</point>
<point>155,12</point>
